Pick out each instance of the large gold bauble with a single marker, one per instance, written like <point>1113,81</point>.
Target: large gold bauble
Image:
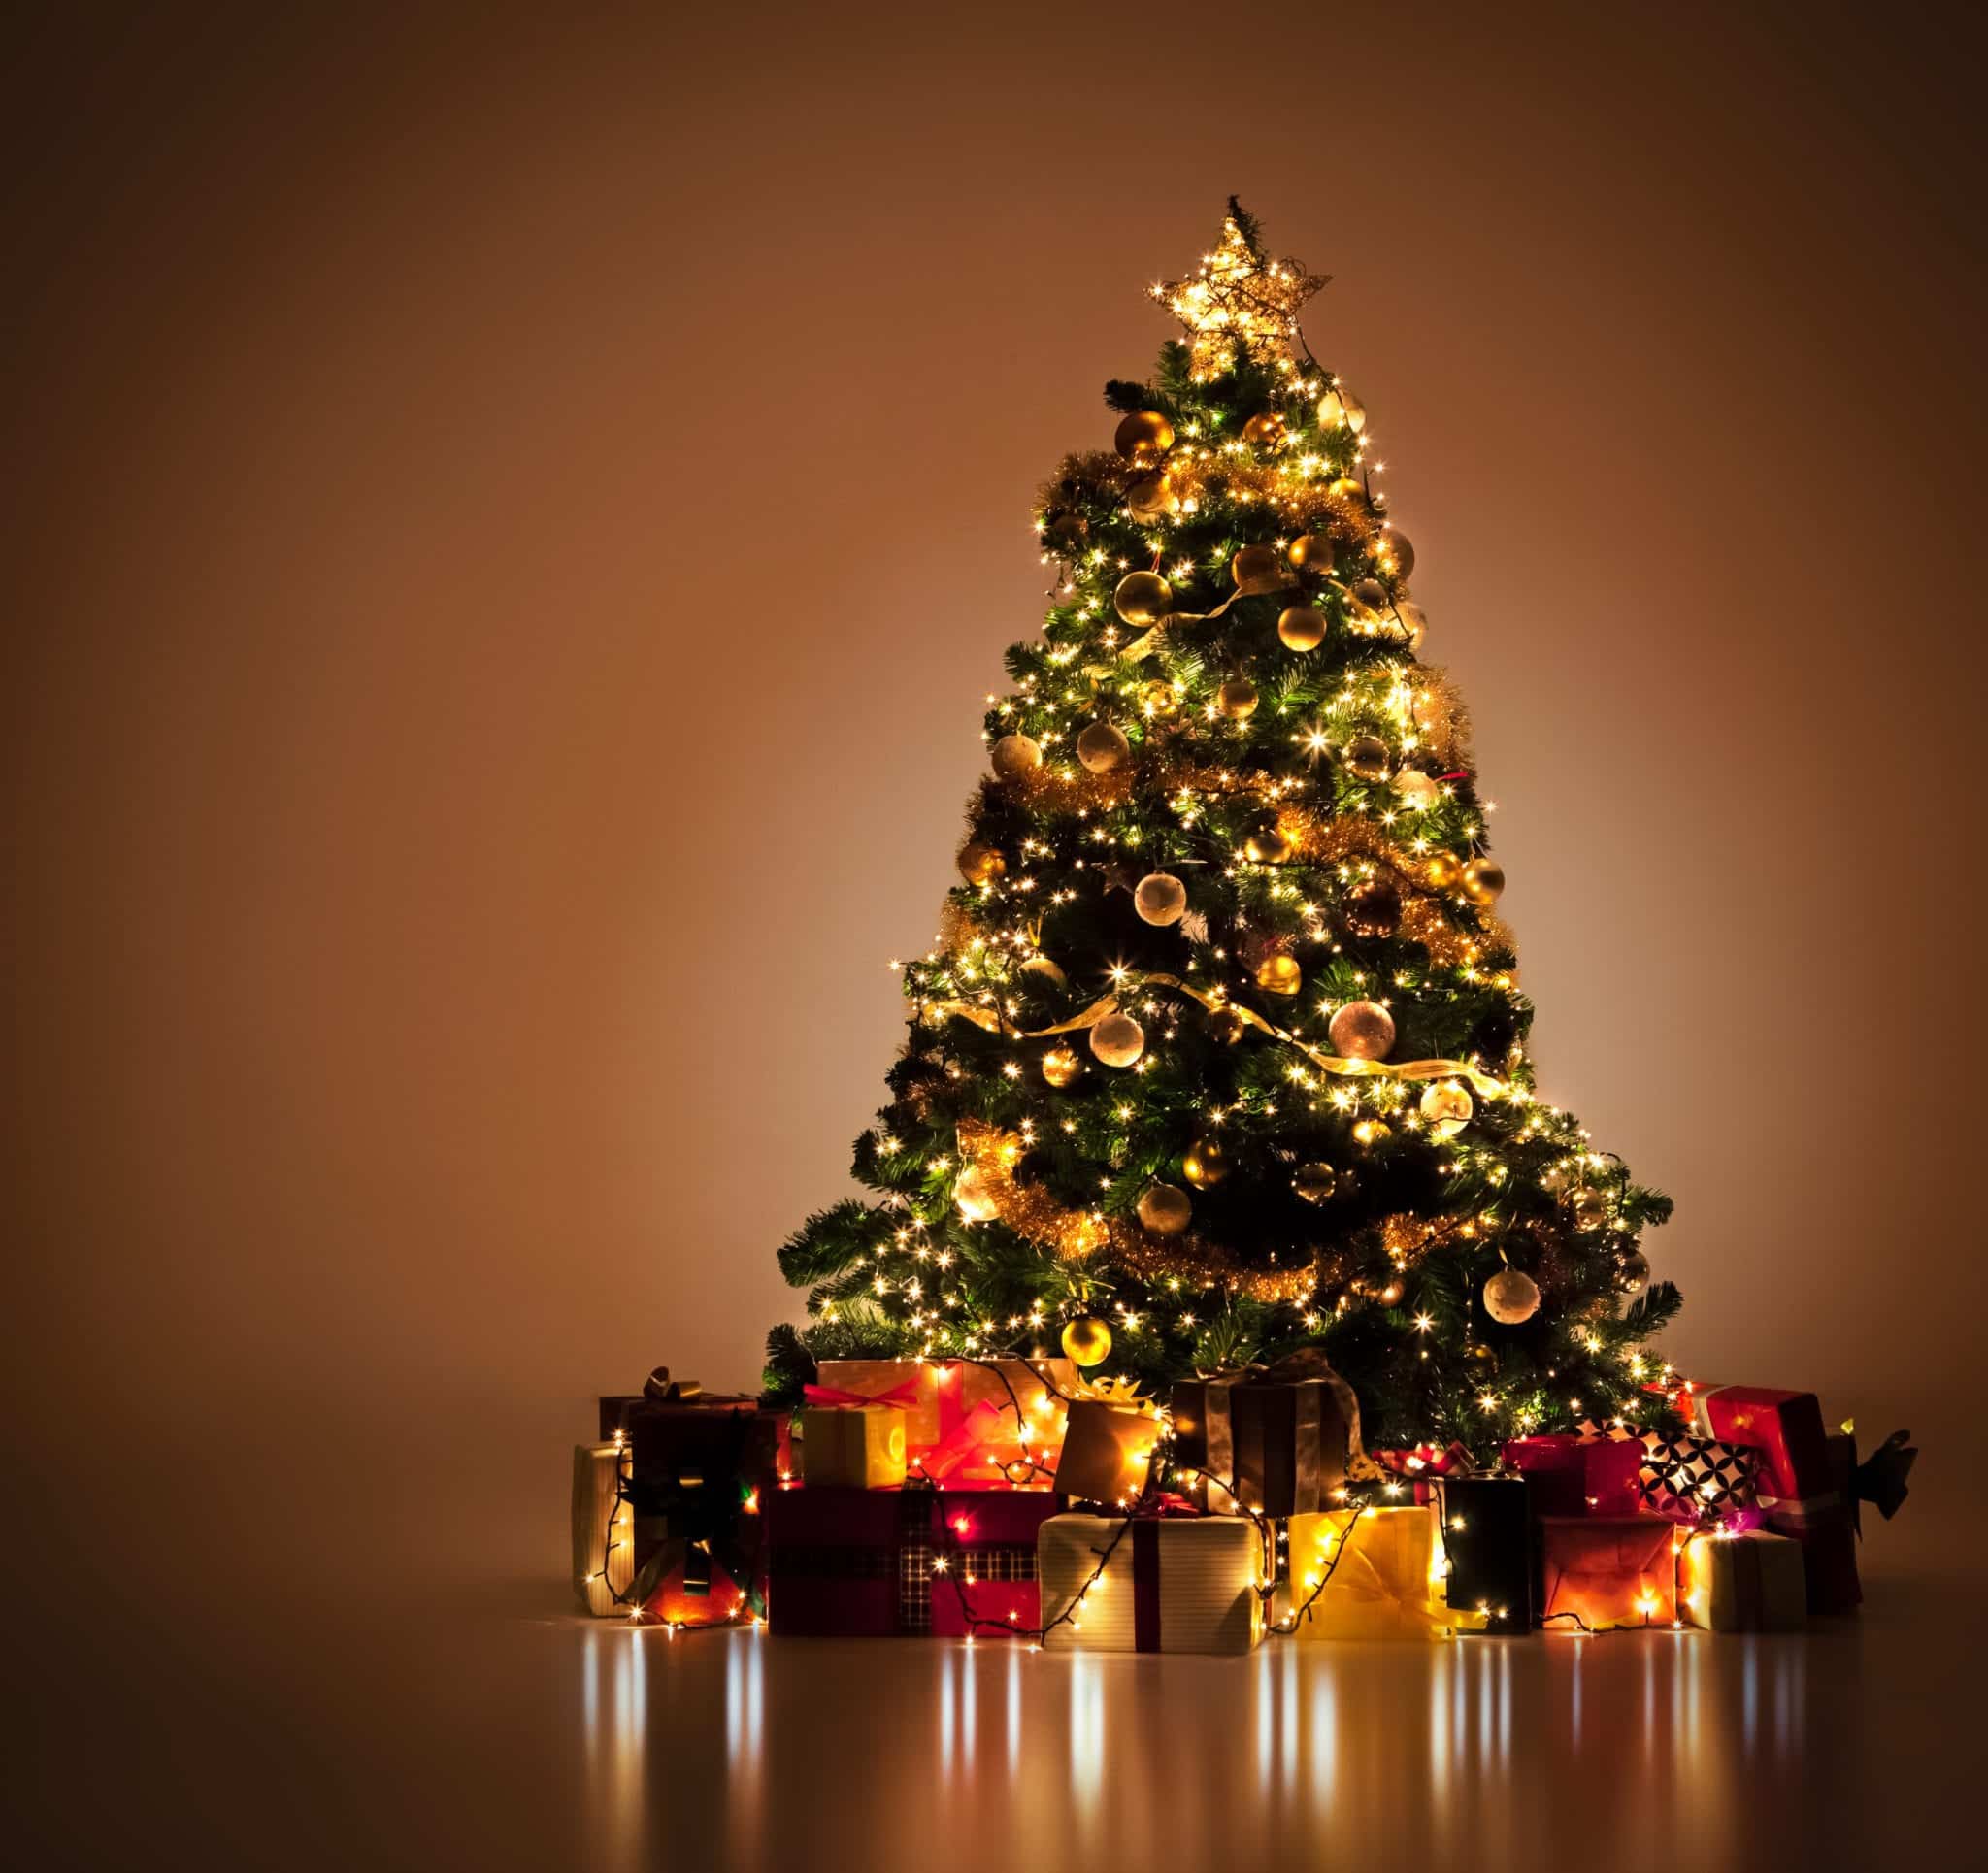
<point>1362,1030</point>
<point>1483,880</point>
<point>1347,515</point>
<point>1204,1163</point>
<point>1152,499</point>
<point>974,1194</point>
<point>1280,975</point>
<point>1590,1209</point>
<point>1315,1182</point>
<point>1117,1040</point>
<point>1143,598</point>
<point>1511,1296</point>
<point>1341,410</point>
<point>1103,747</point>
<point>1227,1025</point>
<point>1374,909</point>
<point>1367,757</point>
<point>1372,1131</point>
<point>1165,1208</point>
<point>1415,790</point>
<point>1631,1272</point>
<point>980,864</point>
<point>1312,552</point>
<point>1015,755</point>
<point>1444,870</point>
<point>1447,1108</point>
<point>1237,699</point>
<point>1370,599</point>
<point>1160,898</point>
<point>1259,569</point>
<point>1086,1341</point>
<point>1143,435</point>
<point>1048,968</point>
<point>1301,628</point>
<point>1267,847</point>
<point>1394,554</point>
<point>1265,429</point>
<point>1061,1065</point>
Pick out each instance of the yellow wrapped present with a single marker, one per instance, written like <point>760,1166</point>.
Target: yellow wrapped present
<point>1747,1583</point>
<point>1382,1575</point>
<point>857,1447</point>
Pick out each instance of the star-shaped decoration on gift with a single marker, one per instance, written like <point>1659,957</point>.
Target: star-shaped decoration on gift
<point>1240,300</point>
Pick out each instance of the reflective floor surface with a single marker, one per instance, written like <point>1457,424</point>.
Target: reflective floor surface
<point>507,1734</point>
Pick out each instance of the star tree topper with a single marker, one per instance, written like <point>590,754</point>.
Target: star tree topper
<point>1240,299</point>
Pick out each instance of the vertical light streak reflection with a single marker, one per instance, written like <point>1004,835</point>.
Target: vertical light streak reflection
<point>1325,1737</point>
<point>1264,1742</point>
<point>1580,1653</point>
<point>745,1742</point>
<point>1288,1664</point>
<point>1014,1710</point>
<point>1749,1701</point>
<point>945,1720</point>
<point>1086,1734</point>
<point>1445,1687</point>
<point>969,1699</point>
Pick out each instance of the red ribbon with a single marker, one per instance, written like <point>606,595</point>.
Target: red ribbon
<point>1145,1585</point>
<point>900,1397</point>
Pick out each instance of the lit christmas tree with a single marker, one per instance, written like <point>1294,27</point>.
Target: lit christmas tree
<point>1220,1054</point>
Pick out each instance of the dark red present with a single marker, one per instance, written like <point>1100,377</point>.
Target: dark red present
<point>1420,1464</point>
<point>1598,1572</point>
<point>1572,1475</point>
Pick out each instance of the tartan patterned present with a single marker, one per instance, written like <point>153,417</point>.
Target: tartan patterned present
<point>1697,1479</point>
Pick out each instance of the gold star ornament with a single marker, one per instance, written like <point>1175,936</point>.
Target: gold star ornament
<point>1239,301</point>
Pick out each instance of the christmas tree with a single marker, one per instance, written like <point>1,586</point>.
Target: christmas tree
<point>1220,1054</point>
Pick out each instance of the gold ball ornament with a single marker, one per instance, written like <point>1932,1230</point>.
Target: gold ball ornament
<point>1061,1065</point>
<point>1590,1209</point>
<point>1015,755</point>
<point>1372,1131</point>
<point>1204,1163</point>
<point>1266,848</point>
<point>1237,699</point>
<point>1374,909</point>
<point>1483,880</point>
<point>1341,410</point>
<point>1165,1209</point>
<point>1159,700</point>
<point>1312,552</point>
<point>1280,975</point>
<point>1152,499</point>
<point>1447,1108</point>
<point>1367,758</point>
<point>1048,970</point>
<point>1362,1030</point>
<point>1416,791</point>
<point>1416,622</point>
<point>1259,569</point>
<point>1315,1182</point>
<point>1483,1357</point>
<point>1160,898</point>
<point>1347,515</point>
<point>1227,1025</point>
<point>1143,598</point>
<point>1394,554</point>
<point>1632,1273</point>
<point>982,864</point>
<point>1143,435</point>
<point>1370,599</point>
<point>1103,747</point>
<point>1086,1341</point>
<point>1444,870</point>
<point>1511,1296</point>
<point>1301,628</point>
<point>1117,1040</point>
<point>975,1196</point>
<point>1265,430</point>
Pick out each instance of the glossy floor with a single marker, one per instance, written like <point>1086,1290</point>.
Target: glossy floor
<point>508,1734</point>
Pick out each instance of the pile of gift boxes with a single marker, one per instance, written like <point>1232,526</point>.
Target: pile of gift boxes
<point>1011,1499</point>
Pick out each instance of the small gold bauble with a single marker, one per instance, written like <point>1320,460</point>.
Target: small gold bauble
<point>1264,429</point>
<point>1367,757</point>
<point>1315,1182</point>
<point>1390,1295</point>
<point>1152,499</point>
<point>974,1193</point>
<point>1165,1209</point>
<point>1117,1040</point>
<point>1227,1025</point>
<point>1444,870</point>
<point>1143,598</point>
<point>1483,880</point>
<point>1482,1356</point>
<point>1237,699</point>
<point>1394,554</point>
<point>980,864</point>
<point>1374,909</point>
<point>1086,1341</point>
<point>1143,435</point>
<point>1350,517</point>
<point>1415,790</point>
<point>1048,968</point>
<point>1280,975</point>
<point>1267,847</point>
<point>1160,898</point>
<point>1370,599</point>
<point>1312,552</point>
<point>1204,1163</point>
<point>1061,1065</point>
<point>1631,1272</point>
<point>1103,747</point>
<point>1015,755</point>
<point>1590,1209</point>
<point>1158,701</point>
<point>1259,569</point>
<point>1447,1108</point>
<point>1372,1131</point>
<point>1301,628</point>
<point>1341,410</point>
<point>1511,1296</point>
<point>1362,1030</point>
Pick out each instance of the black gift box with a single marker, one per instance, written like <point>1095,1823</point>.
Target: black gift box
<point>1487,1537</point>
<point>1279,1446</point>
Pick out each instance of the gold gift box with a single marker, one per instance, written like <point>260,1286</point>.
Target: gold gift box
<point>857,1447</point>
<point>1381,1573</point>
<point>603,1528</point>
<point>1169,1584</point>
<point>1749,1583</point>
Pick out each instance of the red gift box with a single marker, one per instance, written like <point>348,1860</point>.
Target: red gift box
<point>1419,1463</point>
<point>1573,1476</point>
<point>1598,1573</point>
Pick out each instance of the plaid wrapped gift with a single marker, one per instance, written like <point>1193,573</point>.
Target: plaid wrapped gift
<point>1697,1479</point>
